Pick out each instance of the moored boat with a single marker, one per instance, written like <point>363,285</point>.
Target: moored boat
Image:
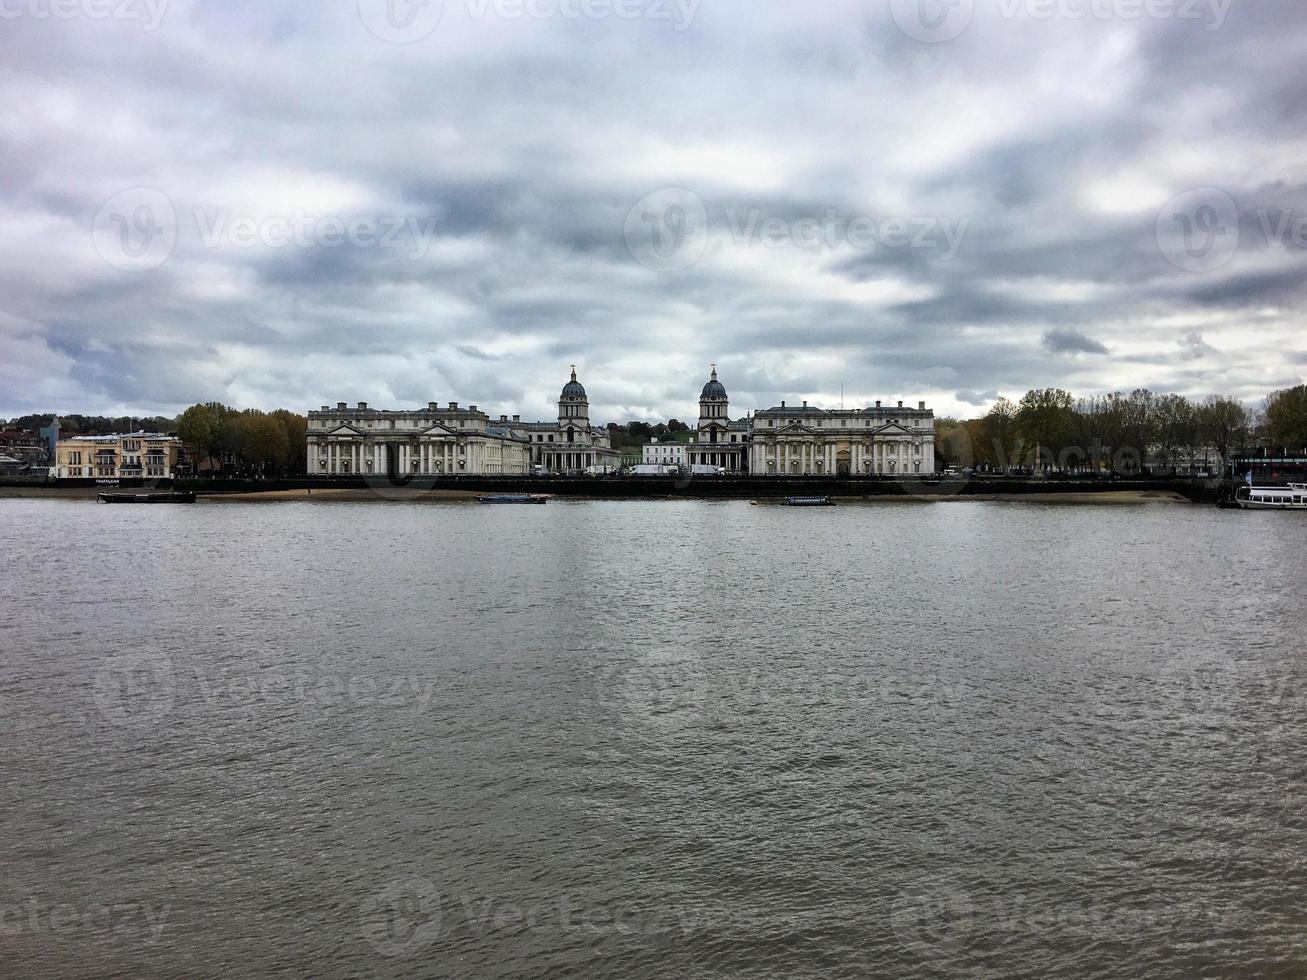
<point>513,498</point>
<point>1292,497</point>
<point>811,501</point>
<point>163,497</point>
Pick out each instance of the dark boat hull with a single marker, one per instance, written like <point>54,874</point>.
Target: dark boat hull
<point>513,498</point>
<point>809,502</point>
<point>171,497</point>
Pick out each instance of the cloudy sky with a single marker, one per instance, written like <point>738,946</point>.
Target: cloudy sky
<point>278,203</point>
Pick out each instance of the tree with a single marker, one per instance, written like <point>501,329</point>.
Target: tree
<point>296,428</point>
<point>199,428</point>
<point>1000,430</point>
<point>952,443</point>
<point>1223,423</point>
<point>1045,420</point>
<point>1286,418</point>
<point>1172,425</point>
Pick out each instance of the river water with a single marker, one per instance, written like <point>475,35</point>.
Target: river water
<point>639,739</point>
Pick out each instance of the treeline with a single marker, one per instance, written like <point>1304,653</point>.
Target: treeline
<point>244,443</point>
<point>634,434</point>
<point>1129,433</point>
<point>95,425</point>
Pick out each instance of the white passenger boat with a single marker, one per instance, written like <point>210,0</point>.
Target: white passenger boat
<point>1292,497</point>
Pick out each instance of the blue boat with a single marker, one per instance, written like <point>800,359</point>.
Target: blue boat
<point>513,498</point>
<point>815,501</point>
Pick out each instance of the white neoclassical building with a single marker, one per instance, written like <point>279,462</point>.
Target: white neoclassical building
<point>719,441</point>
<point>572,444</point>
<point>453,441</point>
<point>434,441</point>
<point>803,440</point>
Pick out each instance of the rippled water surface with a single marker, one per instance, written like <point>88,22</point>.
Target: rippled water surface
<point>641,739</point>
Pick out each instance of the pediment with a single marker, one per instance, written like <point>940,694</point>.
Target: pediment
<point>796,428</point>
<point>437,430</point>
<point>893,429</point>
<point>345,429</point>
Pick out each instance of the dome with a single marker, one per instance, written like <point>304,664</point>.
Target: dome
<point>714,388</point>
<point>574,388</point>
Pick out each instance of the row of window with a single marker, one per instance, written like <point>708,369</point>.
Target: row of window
<point>76,471</point>
<point>844,423</point>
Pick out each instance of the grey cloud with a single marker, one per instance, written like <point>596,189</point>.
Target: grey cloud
<point>1071,342</point>
<point>527,144</point>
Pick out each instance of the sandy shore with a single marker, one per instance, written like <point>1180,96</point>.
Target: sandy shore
<point>356,494</point>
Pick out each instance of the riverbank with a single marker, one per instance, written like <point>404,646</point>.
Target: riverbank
<point>406,495</point>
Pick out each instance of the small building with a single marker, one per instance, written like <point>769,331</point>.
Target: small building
<point>12,466</point>
<point>666,453</point>
<point>123,456</point>
<point>26,446</point>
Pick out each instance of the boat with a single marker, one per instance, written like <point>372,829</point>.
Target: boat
<point>813,501</point>
<point>513,498</point>
<point>1292,497</point>
<point>165,497</point>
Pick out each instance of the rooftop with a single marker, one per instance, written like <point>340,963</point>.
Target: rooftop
<point>812,411</point>
<point>119,436</point>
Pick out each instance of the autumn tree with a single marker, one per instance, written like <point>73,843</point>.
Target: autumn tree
<point>1285,413</point>
<point>1223,424</point>
<point>1000,433</point>
<point>1045,420</point>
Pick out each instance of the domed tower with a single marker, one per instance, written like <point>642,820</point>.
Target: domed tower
<point>574,410</point>
<point>713,403</point>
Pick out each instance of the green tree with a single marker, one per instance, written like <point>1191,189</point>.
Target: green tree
<point>1223,424</point>
<point>1000,429</point>
<point>952,443</point>
<point>199,427</point>
<point>1285,414</point>
<point>1172,426</point>
<point>296,428</point>
<point>1046,423</point>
